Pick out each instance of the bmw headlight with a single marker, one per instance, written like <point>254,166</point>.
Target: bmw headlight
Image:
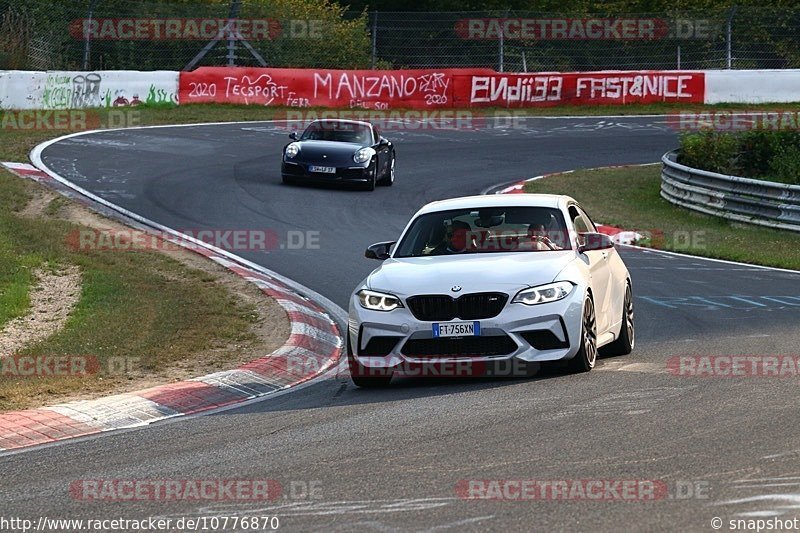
<point>544,294</point>
<point>363,155</point>
<point>378,301</point>
<point>292,150</point>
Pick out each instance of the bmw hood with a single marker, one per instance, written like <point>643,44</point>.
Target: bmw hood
<point>330,153</point>
<point>504,272</point>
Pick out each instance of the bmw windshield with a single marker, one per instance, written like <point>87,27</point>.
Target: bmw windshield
<point>485,230</point>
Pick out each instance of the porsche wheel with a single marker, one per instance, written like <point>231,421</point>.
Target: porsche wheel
<point>370,184</point>
<point>388,180</point>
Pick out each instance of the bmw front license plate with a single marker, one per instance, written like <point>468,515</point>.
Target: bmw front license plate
<point>326,170</point>
<point>456,329</point>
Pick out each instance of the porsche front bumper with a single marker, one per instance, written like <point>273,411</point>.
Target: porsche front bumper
<point>355,173</point>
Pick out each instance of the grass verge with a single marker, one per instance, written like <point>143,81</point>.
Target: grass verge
<point>162,316</point>
<point>628,197</point>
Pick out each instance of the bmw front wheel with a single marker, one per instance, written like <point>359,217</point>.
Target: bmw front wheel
<point>585,359</point>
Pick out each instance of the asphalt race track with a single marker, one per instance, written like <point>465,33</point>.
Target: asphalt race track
<point>391,459</point>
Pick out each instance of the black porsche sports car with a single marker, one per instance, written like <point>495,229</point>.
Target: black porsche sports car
<point>339,151</point>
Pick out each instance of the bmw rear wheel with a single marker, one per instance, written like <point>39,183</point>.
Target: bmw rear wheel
<point>627,335</point>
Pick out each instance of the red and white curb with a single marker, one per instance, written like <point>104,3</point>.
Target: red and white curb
<point>314,347</point>
<point>618,235</point>
<point>26,170</point>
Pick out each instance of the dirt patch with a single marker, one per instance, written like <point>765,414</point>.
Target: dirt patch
<point>270,326</point>
<point>38,203</point>
<point>52,298</point>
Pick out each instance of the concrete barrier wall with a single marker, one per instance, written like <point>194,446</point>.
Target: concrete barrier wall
<point>388,89</point>
<point>74,90</point>
<point>752,86</point>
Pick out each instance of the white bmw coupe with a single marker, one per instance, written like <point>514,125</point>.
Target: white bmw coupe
<point>482,280</point>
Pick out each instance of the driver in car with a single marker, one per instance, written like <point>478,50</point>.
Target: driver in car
<point>539,232</point>
<point>453,240</point>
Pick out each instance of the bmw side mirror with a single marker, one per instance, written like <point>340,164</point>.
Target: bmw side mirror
<point>588,242</point>
<point>293,135</point>
<point>379,250</point>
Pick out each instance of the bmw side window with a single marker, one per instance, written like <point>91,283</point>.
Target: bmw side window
<point>588,221</point>
<point>577,220</point>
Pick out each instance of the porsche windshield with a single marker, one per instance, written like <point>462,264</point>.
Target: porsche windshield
<point>348,132</point>
<point>485,230</point>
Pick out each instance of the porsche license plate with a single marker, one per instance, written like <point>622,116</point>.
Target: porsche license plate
<point>326,170</point>
<point>456,329</point>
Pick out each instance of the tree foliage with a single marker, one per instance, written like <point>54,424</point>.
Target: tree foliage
<point>342,40</point>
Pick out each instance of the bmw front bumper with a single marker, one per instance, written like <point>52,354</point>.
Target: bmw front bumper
<point>526,334</point>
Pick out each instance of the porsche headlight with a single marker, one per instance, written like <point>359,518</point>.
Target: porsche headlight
<point>378,301</point>
<point>292,150</point>
<point>363,155</point>
<point>544,294</point>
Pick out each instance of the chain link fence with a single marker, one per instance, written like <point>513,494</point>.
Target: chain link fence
<point>185,34</point>
<point>525,41</point>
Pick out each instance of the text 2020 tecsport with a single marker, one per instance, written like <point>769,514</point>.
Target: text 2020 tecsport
<point>493,279</point>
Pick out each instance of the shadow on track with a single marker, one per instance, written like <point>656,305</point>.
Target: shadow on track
<point>341,392</point>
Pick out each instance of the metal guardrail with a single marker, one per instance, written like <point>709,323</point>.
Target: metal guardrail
<point>765,203</point>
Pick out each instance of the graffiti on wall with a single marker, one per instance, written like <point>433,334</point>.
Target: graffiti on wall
<point>520,90</point>
<point>434,88</point>
<point>355,89</point>
<point>71,90</point>
<point>362,89</point>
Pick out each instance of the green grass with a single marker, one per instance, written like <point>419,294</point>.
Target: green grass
<point>629,198</point>
<point>15,283</point>
<point>15,269</point>
<point>140,305</point>
<point>236,112</point>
